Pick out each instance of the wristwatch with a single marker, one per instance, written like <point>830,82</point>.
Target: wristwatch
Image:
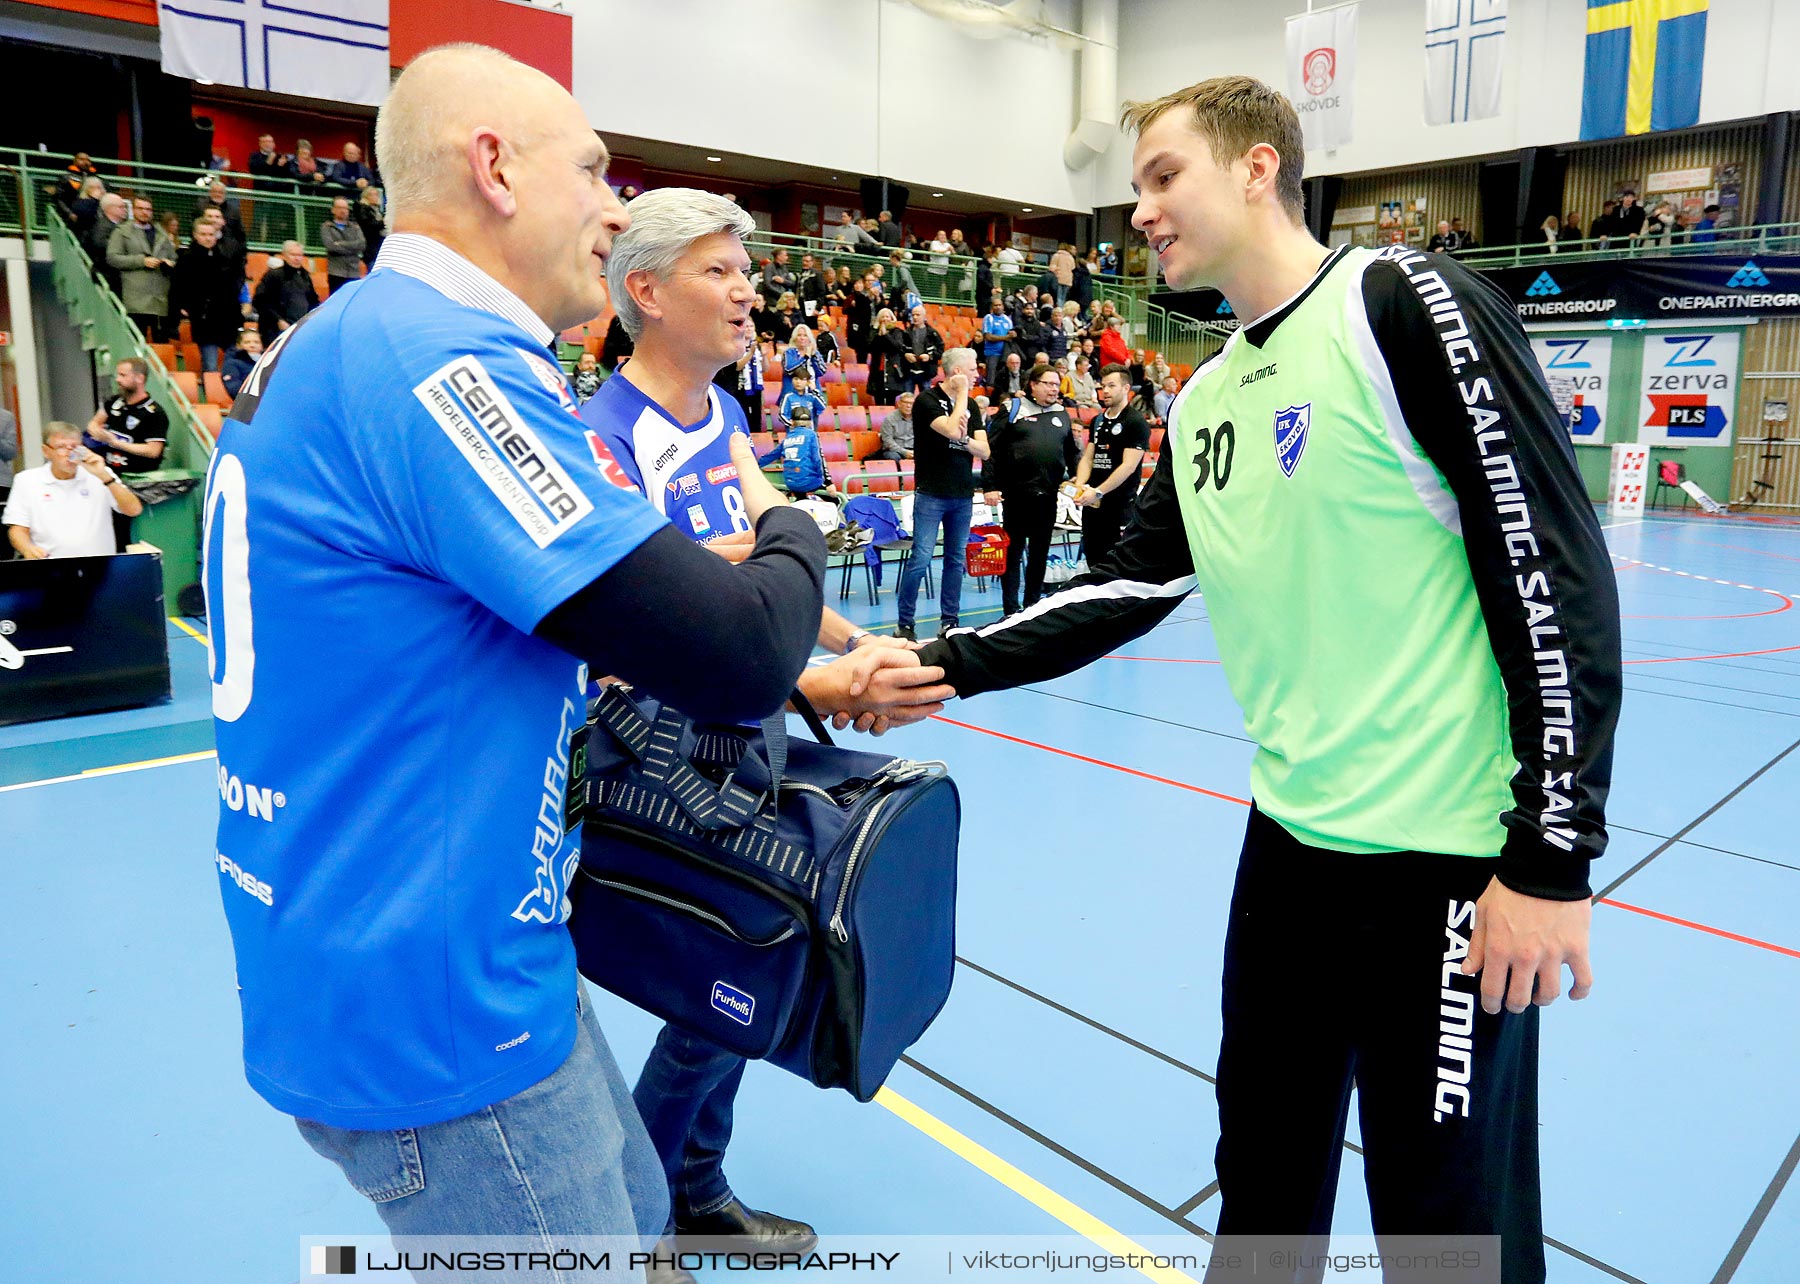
<point>854,640</point>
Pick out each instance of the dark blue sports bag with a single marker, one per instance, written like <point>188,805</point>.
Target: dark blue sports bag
<point>791,901</point>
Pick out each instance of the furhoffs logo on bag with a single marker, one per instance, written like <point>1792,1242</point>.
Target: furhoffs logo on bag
<point>734,1003</point>
<point>1319,68</point>
<point>1291,427</point>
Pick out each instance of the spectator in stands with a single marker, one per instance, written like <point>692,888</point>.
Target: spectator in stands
<point>1661,225</point>
<point>1628,222</point>
<point>230,244</point>
<point>859,315</point>
<point>810,287</point>
<point>1082,388</point>
<point>1135,369</point>
<point>241,360</point>
<point>996,335</point>
<point>1110,350</point>
<point>350,173</point>
<point>305,167</point>
<point>922,349</point>
<point>802,354</point>
<point>778,279</point>
<point>142,254</point>
<point>221,162</point>
<point>1704,231</point>
<point>1007,379</point>
<point>1064,284</point>
<point>1033,449</point>
<point>1009,259</point>
<point>744,380</point>
<point>285,294</point>
<point>344,246</point>
<point>852,236</point>
<point>1445,241</point>
<point>759,318</point>
<point>372,220</point>
<point>1155,371</point>
<point>800,411</point>
<point>205,289</point>
<point>830,349</point>
<point>1109,261</point>
<point>616,348</point>
<point>628,192</point>
<point>53,511</point>
<point>897,430</point>
<point>1550,229</point>
<point>1084,347</point>
<point>84,208</point>
<point>888,231</point>
<point>885,356</point>
<point>112,215</point>
<point>1465,239</point>
<point>947,439</point>
<point>170,224</point>
<point>587,376</point>
<point>939,248</point>
<point>985,270</point>
<point>218,197</point>
<point>783,319</point>
<point>1606,226</point>
<point>900,276</point>
<point>1165,397</point>
<point>269,176</point>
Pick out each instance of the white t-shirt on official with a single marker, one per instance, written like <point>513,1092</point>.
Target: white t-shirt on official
<point>65,518</point>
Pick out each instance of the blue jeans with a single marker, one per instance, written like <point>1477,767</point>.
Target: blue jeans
<point>211,354</point>
<point>566,1157</point>
<point>930,512</point>
<point>685,1096</point>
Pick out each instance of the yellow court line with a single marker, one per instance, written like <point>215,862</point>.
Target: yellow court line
<point>187,628</point>
<point>1073,1216</point>
<point>91,772</point>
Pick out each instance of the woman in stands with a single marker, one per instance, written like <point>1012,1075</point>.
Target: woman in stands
<point>785,317</point>
<point>803,350</point>
<point>885,346</point>
<point>1550,230</point>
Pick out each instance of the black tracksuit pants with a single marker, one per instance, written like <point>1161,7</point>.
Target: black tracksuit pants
<point>1030,518</point>
<point>1101,527</point>
<point>1343,970</point>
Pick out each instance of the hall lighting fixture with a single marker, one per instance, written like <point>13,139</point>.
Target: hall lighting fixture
<point>715,158</point>
<point>937,193</point>
<point>1625,323</point>
<point>1026,210</point>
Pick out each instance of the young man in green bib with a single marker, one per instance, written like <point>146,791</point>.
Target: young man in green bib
<point>1415,609</point>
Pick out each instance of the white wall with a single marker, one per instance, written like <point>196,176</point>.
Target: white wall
<point>877,87</point>
<point>1165,44</point>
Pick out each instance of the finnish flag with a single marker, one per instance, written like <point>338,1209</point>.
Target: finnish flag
<point>331,49</point>
<point>1465,52</point>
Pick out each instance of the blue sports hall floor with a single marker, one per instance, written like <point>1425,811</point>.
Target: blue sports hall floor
<point>1066,1087</point>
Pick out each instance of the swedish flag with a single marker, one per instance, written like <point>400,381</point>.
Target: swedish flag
<point>1643,66</point>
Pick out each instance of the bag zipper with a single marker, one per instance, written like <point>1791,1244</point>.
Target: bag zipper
<point>898,772</point>
<point>644,893</point>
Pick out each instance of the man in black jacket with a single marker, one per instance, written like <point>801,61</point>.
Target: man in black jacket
<point>1111,466</point>
<point>922,350</point>
<point>285,293</point>
<point>1033,444</point>
<point>205,290</point>
<point>112,213</point>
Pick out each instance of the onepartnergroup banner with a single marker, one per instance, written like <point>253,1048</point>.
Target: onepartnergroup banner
<point>968,1259</point>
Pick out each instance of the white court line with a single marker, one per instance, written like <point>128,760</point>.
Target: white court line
<point>121,769</point>
<point>1616,526</point>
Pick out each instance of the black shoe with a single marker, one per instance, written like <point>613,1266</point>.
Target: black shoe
<point>663,1269</point>
<point>905,633</point>
<point>748,1227</point>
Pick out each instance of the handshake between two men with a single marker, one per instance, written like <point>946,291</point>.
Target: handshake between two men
<point>879,683</point>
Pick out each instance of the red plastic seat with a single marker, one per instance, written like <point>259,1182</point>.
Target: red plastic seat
<point>886,478</point>
<point>834,446</point>
<point>1156,440</point>
<point>215,389</point>
<point>844,476</point>
<point>853,418</point>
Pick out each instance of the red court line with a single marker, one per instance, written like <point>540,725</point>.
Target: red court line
<point>1245,802</point>
<point>1700,927</point>
<point>1156,659</point>
<point>1728,655</point>
<point>1097,762</point>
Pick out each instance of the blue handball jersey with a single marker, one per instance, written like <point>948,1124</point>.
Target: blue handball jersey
<point>401,493</point>
<point>684,470</point>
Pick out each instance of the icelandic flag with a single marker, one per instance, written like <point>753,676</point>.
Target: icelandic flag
<point>1643,66</point>
<point>331,49</point>
<point>1465,51</point>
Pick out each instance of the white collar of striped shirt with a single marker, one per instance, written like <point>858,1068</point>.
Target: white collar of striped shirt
<point>459,280</point>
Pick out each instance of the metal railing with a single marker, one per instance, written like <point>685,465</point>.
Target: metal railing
<point>110,335</point>
<point>1181,340</point>
<point>1759,238</point>
<point>29,182</point>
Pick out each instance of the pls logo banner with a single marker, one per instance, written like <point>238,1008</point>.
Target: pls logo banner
<point>1690,388</point>
<point>1321,76</point>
